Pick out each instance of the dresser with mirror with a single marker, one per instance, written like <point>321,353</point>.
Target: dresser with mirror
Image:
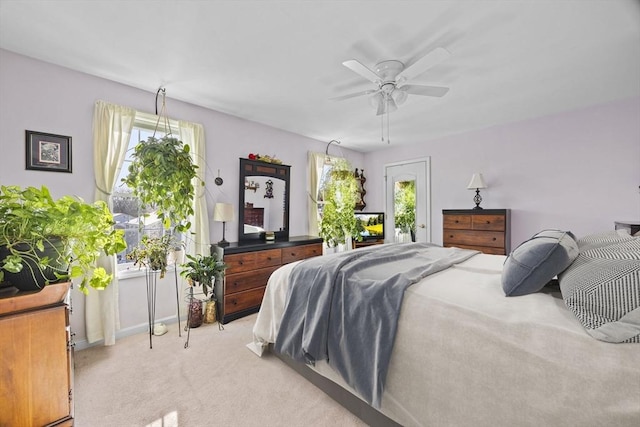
<point>263,201</point>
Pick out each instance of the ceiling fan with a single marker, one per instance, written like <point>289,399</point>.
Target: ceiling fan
<point>391,77</point>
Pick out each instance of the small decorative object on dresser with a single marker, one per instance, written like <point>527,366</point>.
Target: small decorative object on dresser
<point>633,227</point>
<point>477,182</point>
<point>486,230</point>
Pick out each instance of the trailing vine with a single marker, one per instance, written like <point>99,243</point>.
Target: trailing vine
<point>161,175</point>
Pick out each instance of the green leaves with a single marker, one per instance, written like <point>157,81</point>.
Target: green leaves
<point>340,194</point>
<point>203,269</point>
<point>162,176</point>
<point>31,219</point>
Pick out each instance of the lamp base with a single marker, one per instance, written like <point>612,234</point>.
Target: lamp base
<point>223,243</point>
<point>477,199</point>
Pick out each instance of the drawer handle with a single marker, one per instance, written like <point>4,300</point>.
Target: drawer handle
<point>268,258</point>
<point>494,239</point>
<point>488,222</point>
<point>241,263</point>
<point>451,236</point>
<point>456,221</point>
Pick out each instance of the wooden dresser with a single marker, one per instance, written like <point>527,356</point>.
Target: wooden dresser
<point>486,230</point>
<point>250,265</point>
<point>36,358</point>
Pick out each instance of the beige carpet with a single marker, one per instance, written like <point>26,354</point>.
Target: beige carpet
<point>217,381</point>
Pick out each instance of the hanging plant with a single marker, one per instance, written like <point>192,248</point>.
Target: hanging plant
<point>340,194</point>
<point>161,175</point>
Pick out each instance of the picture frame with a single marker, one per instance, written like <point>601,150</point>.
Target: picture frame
<point>48,152</point>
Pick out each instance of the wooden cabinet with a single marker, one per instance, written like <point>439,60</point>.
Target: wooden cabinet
<point>254,216</point>
<point>249,266</point>
<point>36,358</point>
<point>486,230</point>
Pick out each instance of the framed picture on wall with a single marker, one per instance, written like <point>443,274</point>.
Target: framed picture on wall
<point>48,152</point>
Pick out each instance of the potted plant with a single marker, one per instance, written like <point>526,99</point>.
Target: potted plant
<point>161,175</point>
<point>340,195</point>
<point>44,241</point>
<point>153,252</point>
<point>203,269</point>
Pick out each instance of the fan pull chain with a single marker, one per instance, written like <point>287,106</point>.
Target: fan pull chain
<point>388,140</point>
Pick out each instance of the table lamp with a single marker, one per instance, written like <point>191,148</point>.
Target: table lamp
<point>477,182</point>
<point>223,212</point>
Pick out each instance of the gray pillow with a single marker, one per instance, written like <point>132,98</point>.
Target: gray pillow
<point>602,288</point>
<point>538,260</point>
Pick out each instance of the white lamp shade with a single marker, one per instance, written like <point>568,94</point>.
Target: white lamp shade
<point>477,181</point>
<point>223,212</point>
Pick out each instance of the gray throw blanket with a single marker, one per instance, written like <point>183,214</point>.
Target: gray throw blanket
<point>344,308</point>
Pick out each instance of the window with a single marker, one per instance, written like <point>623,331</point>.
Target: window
<point>127,210</point>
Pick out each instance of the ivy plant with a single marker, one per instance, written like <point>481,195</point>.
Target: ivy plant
<point>162,176</point>
<point>340,194</point>
<point>48,240</point>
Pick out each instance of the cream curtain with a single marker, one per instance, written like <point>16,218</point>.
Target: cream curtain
<point>315,164</point>
<point>112,126</point>
<point>192,134</point>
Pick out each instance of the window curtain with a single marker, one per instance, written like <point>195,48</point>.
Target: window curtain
<point>315,164</point>
<point>192,134</point>
<point>112,126</point>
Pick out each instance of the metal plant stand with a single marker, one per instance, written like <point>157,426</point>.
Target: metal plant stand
<point>151,277</point>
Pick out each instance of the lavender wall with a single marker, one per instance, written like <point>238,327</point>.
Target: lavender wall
<point>43,97</point>
<point>578,170</point>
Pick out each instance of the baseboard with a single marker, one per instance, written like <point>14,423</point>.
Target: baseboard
<point>131,330</point>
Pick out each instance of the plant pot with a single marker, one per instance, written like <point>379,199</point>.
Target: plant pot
<point>210,312</point>
<point>32,277</point>
<point>195,313</point>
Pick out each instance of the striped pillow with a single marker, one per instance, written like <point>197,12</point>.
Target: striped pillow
<point>602,288</point>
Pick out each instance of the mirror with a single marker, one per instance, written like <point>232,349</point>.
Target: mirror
<point>263,200</point>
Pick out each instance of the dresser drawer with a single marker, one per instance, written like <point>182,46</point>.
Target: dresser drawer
<point>247,280</point>
<point>295,253</point>
<point>488,222</point>
<point>248,261</point>
<point>457,222</point>
<point>473,238</point>
<point>484,249</point>
<point>243,300</point>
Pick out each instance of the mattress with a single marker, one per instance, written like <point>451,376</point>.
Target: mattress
<point>466,355</point>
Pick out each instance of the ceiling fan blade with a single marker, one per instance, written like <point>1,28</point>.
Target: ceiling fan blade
<point>353,95</point>
<point>357,67</point>
<point>432,58</point>
<point>436,91</point>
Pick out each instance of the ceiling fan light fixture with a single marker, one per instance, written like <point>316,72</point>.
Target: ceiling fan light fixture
<point>399,96</point>
<point>375,100</point>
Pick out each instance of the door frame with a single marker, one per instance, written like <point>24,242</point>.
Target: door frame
<point>427,185</point>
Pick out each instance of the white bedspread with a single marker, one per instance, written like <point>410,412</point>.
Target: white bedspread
<point>466,355</point>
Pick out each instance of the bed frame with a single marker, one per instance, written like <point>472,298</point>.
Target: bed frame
<point>349,401</point>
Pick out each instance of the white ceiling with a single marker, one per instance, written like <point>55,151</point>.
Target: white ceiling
<point>279,62</point>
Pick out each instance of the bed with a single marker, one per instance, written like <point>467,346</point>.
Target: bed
<point>465,354</point>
